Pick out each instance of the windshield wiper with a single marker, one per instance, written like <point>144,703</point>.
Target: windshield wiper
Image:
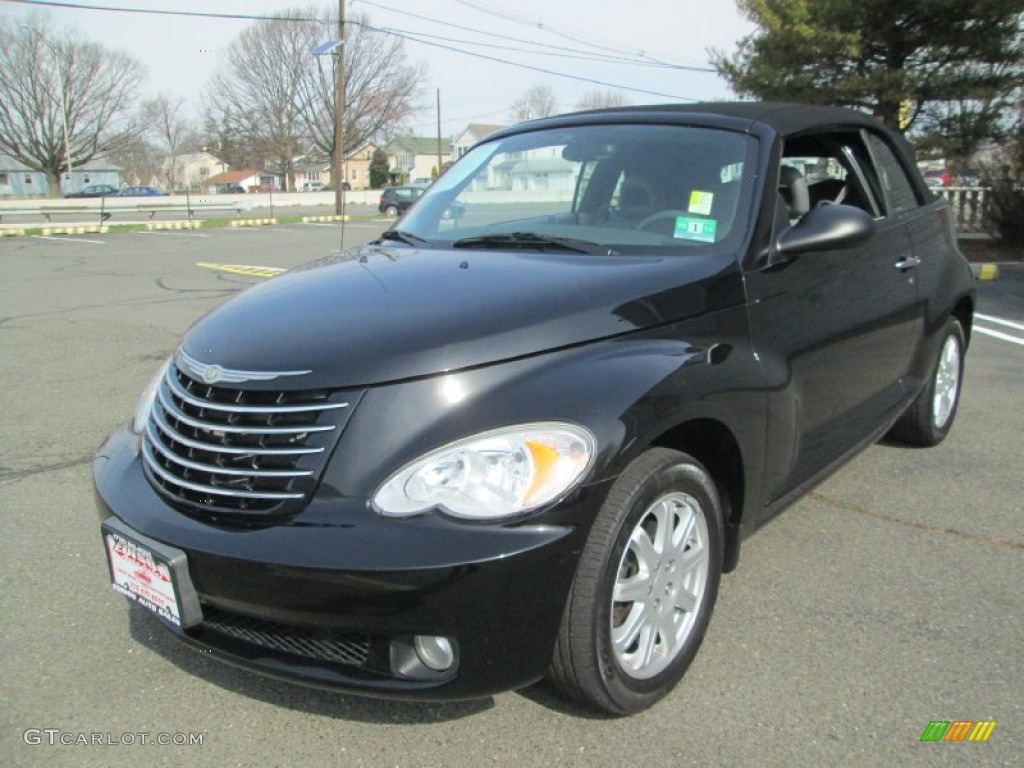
<point>532,240</point>
<point>403,237</point>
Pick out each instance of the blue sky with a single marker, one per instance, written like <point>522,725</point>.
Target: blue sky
<point>180,53</point>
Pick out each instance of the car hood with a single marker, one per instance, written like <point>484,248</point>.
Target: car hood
<point>379,314</point>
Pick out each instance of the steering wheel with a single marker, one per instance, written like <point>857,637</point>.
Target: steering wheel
<point>660,216</point>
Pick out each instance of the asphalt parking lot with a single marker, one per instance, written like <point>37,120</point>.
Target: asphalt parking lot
<point>889,598</point>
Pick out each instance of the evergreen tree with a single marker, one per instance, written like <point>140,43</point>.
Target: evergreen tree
<point>877,55</point>
<point>378,169</point>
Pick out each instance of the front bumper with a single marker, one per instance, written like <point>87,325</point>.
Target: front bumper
<point>332,596</point>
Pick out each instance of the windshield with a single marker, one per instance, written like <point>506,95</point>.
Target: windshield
<point>597,188</point>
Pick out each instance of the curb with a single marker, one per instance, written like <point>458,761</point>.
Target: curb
<point>251,222</point>
<point>12,232</point>
<point>152,226</point>
<point>985,271</point>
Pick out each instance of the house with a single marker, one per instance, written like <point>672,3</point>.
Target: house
<point>248,179</point>
<point>470,135</point>
<point>191,170</point>
<point>18,180</point>
<point>415,157</point>
<point>310,168</point>
<point>357,165</point>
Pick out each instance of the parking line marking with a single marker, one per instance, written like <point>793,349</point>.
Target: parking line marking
<point>999,321</point>
<point>998,335</point>
<point>69,240</point>
<point>242,269</point>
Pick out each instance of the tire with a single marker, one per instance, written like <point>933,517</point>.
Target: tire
<point>391,211</point>
<point>615,654</point>
<point>930,417</point>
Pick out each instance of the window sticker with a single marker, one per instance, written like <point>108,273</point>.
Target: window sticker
<point>700,202</point>
<point>702,230</point>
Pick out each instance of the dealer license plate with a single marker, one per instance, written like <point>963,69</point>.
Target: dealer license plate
<point>143,576</point>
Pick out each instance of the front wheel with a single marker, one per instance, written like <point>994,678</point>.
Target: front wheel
<point>645,587</point>
<point>929,418</point>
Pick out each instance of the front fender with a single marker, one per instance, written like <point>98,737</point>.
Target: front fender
<point>628,391</point>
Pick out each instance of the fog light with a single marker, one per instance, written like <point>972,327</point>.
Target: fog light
<point>434,651</point>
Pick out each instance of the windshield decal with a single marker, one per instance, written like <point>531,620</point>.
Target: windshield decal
<point>701,230</point>
<point>700,202</point>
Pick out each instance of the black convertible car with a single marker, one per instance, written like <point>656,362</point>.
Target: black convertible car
<point>528,440</point>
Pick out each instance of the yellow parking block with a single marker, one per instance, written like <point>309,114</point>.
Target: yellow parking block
<point>158,225</point>
<point>322,219</point>
<point>251,222</point>
<point>986,272</point>
<point>12,232</point>
<point>88,230</point>
<point>242,269</point>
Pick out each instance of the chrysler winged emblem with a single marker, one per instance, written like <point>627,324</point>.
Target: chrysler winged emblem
<point>211,373</point>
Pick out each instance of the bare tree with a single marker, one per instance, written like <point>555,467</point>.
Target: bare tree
<point>167,124</point>
<point>256,93</point>
<point>602,100</point>
<point>381,87</point>
<point>138,160</point>
<point>539,101</point>
<point>275,97</point>
<point>62,100</point>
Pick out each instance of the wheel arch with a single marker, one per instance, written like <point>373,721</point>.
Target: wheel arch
<point>714,445</point>
<point>964,312</point>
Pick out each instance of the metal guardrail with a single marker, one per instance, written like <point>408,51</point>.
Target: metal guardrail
<point>104,212</point>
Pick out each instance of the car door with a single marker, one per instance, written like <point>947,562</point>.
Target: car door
<point>833,328</point>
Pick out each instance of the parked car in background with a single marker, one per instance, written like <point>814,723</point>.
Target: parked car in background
<point>971,178</point>
<point>94,190</point>
<point>313,186</point>
<point>528,442</point>
<point>233,189</point>
<point>140,192</point>
<point>938,178</point>
<point>397,200</point>
<point>263,188</point>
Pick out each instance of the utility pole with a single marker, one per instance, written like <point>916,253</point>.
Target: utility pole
<point>438,132</point>
<point>338,173</point>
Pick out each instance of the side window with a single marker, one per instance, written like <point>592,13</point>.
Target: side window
<point>896,187</point>
<point>818,169</point>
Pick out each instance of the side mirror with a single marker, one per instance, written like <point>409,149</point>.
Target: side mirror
<point>827,228</point>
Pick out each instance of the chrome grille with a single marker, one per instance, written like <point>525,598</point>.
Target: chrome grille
<point>230,451</point>
<point>342,648</point>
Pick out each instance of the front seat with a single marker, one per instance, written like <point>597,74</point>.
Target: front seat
<point>793,188</point>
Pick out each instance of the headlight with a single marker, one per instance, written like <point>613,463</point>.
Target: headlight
<point>495,474</point>
<point>145,406</point>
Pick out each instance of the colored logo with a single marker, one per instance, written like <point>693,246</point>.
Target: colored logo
<point>958,730</point>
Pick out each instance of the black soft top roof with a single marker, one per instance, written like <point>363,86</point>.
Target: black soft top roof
<point>785,118</point>
<point>782,118</point>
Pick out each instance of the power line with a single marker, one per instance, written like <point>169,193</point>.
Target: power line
<point>411,37</point>
<point>494,9</point>
<point>630,58</point>
<point>576,57</point>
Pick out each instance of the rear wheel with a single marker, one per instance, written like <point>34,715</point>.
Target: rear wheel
<point>929,418</point>
<point>391,210</point>
<point>645,587</point>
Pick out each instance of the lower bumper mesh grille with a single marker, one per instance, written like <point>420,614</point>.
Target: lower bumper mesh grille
<point>341,648</point>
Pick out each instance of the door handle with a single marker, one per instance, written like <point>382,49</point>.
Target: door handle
<point>907,262</point>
